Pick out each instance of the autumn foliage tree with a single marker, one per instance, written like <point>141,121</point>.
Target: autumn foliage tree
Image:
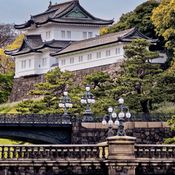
<point>163,18</point>
<point>6,62</point>
<point>7,66</point>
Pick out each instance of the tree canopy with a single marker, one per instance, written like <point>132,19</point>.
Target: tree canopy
<point>139,18</point>
<point>7,68</point>
<point>6,62</point>
<point>139,77</point>
<point>163,20</point>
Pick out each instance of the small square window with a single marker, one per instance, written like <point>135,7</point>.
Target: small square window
<point>90,34</point>
<point>63,62</point>
<point>80,59</point>
<point>69,34</point>
<point>44,62</point>
<point>84,35</point>
<point>108,53</point>
<point>48,35</point>
<point>98,54</point>
<point>89,56</point>
<point>71,60</point>
<point>30,63</point>
<point>23,64</point>
<point>117,51</point>
<point>63,34</point>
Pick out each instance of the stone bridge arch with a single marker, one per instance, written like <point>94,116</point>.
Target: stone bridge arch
<point>38,135</point>
<point>39,129</point>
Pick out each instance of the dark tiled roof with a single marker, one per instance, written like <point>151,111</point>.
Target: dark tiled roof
<point>34,43</point>
<point>123,36</point>
<point>60,13</point>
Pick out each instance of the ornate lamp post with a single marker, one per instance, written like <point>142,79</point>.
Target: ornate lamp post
<point>88,99</point>
<point>65,103</point>
<point>117,119</point>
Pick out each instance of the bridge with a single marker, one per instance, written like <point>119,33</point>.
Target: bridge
<point>35,128</point>
<point>54,129</point>
<point>88,159</point>
<point>116,156</point>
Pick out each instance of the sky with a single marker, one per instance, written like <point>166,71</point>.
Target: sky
<point>19,11</point>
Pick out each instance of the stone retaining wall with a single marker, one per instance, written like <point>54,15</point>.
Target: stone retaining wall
<point>23,85</point>
<point>145,132</point>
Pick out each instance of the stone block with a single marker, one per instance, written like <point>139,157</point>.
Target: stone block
<point>121,148</point>
<point>141,124</point>
<point>154,124</point>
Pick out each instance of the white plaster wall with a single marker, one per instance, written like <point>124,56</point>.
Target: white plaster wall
<point>161,59</point>
<point>36,64</point>
<point>55,31</point>
<point>94,62</point>
<point>28,70</point>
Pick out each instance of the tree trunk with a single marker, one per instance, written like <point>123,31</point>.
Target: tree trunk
<point>145,108</point>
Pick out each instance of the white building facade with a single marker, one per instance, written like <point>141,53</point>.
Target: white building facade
<point>53,30</point>
<point>98,51</point>
<point>66,35</point>
<point>91,58</point>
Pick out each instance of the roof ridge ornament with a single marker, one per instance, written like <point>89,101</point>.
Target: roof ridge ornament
<point>50,3</point>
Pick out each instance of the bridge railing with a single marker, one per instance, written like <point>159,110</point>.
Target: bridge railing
<point>53,152</point>
<point>155,151</point>
<point>33,119</point>
<point>57,119</point>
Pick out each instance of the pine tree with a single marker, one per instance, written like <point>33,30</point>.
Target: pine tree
<point>139,77</point>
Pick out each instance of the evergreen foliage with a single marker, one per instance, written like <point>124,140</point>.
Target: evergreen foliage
<point>5,86</point>
<point>56,82</point>
<point>139,77</point>
<point>139,18</point>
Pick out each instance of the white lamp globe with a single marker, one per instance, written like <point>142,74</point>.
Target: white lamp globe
<point>110,122</point>
<point>83,101</point>
<point>89,100</point>
<point>88,88</point>
<point>70,105</point>
<point>61,105</point>
<point>121,115</point>
<point>117,123</point>
<point>92,101</point>
<point>104,122</point>
<point>110,109</point>
<point>114,115</point>
<point>121,101</point>
<point>128,115</point>
<point>65,93</point>
<point>67,105</point>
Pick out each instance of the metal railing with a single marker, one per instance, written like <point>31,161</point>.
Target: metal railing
<point>155,151</point>
<point>53,152</point>
<point>57,119</point>
<point>144,117</point>
<point>34,119</point>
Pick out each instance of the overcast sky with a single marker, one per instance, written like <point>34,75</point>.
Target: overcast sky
<point>18,11</point>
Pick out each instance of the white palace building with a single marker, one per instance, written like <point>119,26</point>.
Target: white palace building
<point>67,36</point>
